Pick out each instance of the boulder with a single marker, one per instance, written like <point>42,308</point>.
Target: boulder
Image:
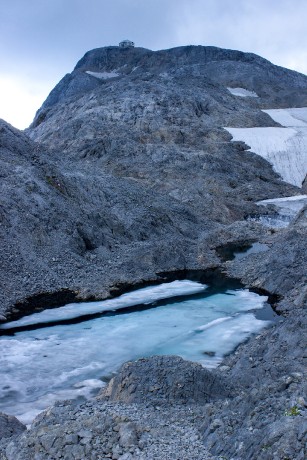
<point>166,379</point>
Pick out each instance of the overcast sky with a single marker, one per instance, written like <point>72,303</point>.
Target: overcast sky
<point>41,40</point>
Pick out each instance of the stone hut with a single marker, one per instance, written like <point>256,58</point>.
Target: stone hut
<point>126,44</point>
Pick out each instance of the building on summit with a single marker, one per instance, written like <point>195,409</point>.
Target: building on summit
<point>126,44</point>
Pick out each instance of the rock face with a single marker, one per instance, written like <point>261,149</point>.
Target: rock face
<point>166,421</point>
<point>10,426</point>
<point>281,270</point>
<point>59,228</point>
<point>167,379</point>
<point>127,172</point>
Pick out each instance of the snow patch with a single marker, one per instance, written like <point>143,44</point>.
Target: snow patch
<point>285,148</point>
<point>288,206</point>
<point>102,75</point>
<point>294,118</point>
<point>264,141</point>
<point>212,323</point>
<point>284,200</point>
<point>242,92</point>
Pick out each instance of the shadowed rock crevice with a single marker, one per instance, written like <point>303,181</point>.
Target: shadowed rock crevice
<point>41,301</point>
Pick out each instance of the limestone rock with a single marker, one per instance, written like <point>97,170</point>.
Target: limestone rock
<point>10,426</point>
<point>167,379</point>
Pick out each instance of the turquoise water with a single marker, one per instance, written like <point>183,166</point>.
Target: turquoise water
<point>71,359</point>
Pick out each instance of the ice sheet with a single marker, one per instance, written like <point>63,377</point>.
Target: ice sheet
<point>287,208</point>
<point>284,148</point>
<point>289,117</point>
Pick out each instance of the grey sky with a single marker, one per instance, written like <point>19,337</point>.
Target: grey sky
<point>41,40</point>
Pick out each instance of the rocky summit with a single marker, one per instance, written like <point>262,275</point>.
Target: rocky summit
<point>127,175</point>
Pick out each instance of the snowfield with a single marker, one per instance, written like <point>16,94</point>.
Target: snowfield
<point>242,92</point>
<point>289,117</point>
<point>103,75</point>
<point>285,148</point>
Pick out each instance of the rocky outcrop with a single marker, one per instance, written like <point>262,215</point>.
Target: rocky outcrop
<point>10,426</point>
<point>69,229</point>
<point>166,421</point>
<point>166,380</point>
<point>267,419</point>
<point>281,270</point>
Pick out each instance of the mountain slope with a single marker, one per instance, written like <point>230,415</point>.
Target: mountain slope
<point>129,166</point>
<point>127,172</point>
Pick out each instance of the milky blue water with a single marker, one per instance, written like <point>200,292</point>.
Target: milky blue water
<point>48,362</point>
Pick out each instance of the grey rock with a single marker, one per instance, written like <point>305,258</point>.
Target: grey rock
<point>280,270</point>
<point>227,67</point>
<point>127,434</point>
<point>126,456</point>
<point>166,379</point>
<point>10,426</point>
<point>169,432</point>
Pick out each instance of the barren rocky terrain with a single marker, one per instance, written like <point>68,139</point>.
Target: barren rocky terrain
<point>125,176</point>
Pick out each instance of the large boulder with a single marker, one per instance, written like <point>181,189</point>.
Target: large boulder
<point>166,379</point>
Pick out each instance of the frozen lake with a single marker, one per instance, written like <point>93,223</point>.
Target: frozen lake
<point>56,355</point>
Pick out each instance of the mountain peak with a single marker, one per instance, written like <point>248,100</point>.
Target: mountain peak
<point>275,85</point>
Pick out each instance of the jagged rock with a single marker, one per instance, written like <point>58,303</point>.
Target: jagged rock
<point>281,269</point>
<point>10,426</point>
<point>166,379</point>
<point>227,67</point>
